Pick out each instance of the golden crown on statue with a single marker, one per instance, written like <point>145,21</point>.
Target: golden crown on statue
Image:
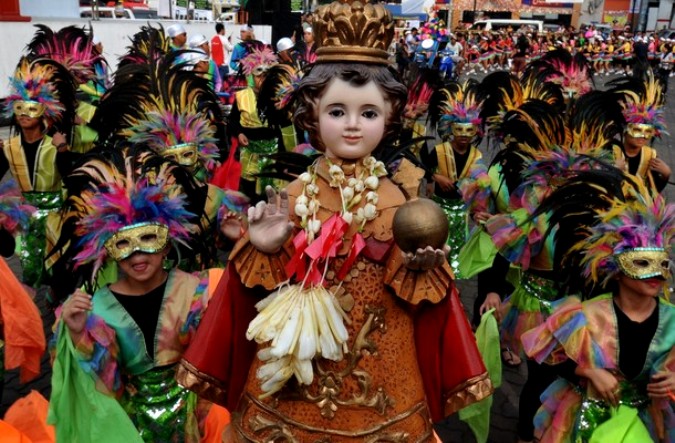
<point>353,32</point>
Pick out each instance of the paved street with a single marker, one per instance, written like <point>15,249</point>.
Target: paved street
<point>505,406</point>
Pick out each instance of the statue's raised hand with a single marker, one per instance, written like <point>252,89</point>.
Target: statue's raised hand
<point>269,225</point>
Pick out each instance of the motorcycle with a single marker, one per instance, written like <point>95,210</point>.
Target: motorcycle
<point>446,67</point>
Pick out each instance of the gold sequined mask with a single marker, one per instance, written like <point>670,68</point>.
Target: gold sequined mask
<point>142,237</point>
<point>185,154</point>
<point>640,130</point>
<point>464,130</point>
<point>644,263</point>
<point>29,108</point>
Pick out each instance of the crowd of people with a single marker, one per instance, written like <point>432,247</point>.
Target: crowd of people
<point>482,51</point>
<point>246,242</point>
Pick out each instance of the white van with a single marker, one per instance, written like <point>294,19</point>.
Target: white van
<point>106,12</point>
<point>498,24</point>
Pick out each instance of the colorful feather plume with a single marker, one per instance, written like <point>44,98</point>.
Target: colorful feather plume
<point>148,45</point>
<point>639,220</point>
<point>111,190</point>
<point>70,46</point>
<point>421,84</point>
<point>32,81</point>
<point>276,93</point>
<point>14,212</point>
<point>162,105</point>
<point>460,104</point>
<point>572,73</point>
<point>258,57</point>
<point>118,205</point>
<point>642,101</point>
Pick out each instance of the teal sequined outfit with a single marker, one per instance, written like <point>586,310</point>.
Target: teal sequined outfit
<point>593,413</point>
<point>254,159</point>
<point>458,233</point>
<point>158,406</point>
<point>31,246</point>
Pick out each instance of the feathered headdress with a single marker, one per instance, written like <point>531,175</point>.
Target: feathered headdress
<point>591,128</point>
<point>600,215</point>
<point>34,81</point>
<point>126,203</point>
<point>147,46</point>
<point>641,101</point>
<point>421,84</point>
<point>14,212</point>
<point>70,46</point>
<point>116,188</point>
<point>258,58</point>
<point>572,73</point>
<point>640,222</point>
<point>501,92</point>
<point>276,93</point>
<point>460,103</point>
<point>165,107</point>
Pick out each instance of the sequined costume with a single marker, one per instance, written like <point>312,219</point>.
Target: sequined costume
<point>445,161</point>
<point>41,187</point>
<point>398,375</point>
<point>262,141</point>
<point>113,352</point>
<point>588,333</point>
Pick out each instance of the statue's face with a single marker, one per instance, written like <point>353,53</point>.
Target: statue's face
<point>352,119</point>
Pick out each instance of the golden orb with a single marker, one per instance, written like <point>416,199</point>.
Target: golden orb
<point>420,223</point>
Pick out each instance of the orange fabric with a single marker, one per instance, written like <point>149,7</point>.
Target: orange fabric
<point>214,278</point>
<point>9,434</point>
<point>29,416</point>
<point>22,326</point>
<point>217,420</point>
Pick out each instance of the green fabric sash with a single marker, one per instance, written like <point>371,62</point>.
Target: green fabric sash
<point>79,412</point>
<point>477,415</point>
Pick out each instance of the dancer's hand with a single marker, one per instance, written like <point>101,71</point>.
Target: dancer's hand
<point>427,258</point>
<point>659,166</point>
<point>604,382</point>
<point>444,182</point>
<point>75,312</point>
<point>662,386</point>
<point>481,217</point>
<point>492,301</point>
<point>269,225</point>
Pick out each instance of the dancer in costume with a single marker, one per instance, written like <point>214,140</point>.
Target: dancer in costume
<point>274,104</point>
<point>487,188</point>
<point>642,102</point>
<point>375,344</point>
<point>116,350</point>
<point>177,114</point>
<point>74,48</point>
<point>42,107</point>
<point>255,139</point>
<point>458,122</point>
<point>546,150</point>
<point>617,348</point>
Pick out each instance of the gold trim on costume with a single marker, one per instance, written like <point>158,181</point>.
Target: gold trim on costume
<point>473,390</point>
<point>446,161</point>
<point>203,385</point>
<point>281,425</point>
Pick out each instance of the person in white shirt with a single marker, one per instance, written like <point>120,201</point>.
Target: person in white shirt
<point>457,52</point>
